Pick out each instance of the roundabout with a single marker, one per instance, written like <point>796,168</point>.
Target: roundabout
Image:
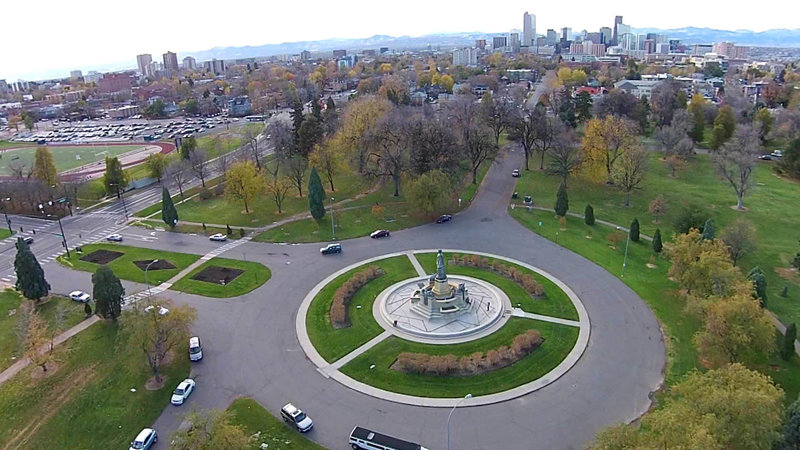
<point>467,321</point>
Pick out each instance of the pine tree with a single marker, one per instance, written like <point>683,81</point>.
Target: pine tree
<point>331,105</point>
<point>787,346</point>
<point>30,276</point>
<point>657,245</point>
<point>634,233</point>
<point>708,230</point>
<point>759,280</point>
<point>108,293</point>
<point>588,215</point>
<point>562,201</point>
<point>791,427</point>
<point>316,195</point>
<point>168,212</point>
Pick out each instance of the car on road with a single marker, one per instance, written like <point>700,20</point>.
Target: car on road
<point>777,154</point>
<point>79,296</point>
<point>114,238</point>
<point>195,349</point>
<point>515,173</point>
<point>144,440</point>
<point>161,310</point>
<point>219,237</point>
<point>379,234</point>
<point>444,218</point>
<point>182,392</point>
<point>28,240</point>
<point>331,248</point>
<point>766,157</point>
<point>297,418</point>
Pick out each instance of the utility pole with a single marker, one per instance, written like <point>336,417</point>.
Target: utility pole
<point>333,230</point>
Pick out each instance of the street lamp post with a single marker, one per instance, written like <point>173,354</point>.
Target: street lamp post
<point>466,397</point>
<point>60,226</point>
<point>5,213</point>
<point>625,259</point>
<point>333,230</point>
<point>122,196</point>
<point>146,282</point>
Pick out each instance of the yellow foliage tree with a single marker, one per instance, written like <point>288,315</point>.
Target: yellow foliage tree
<point>604,141</point>
<point>701,266</point>
<point>243,182</point>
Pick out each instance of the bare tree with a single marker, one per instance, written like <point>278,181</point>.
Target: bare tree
<point>277,189</point>
<point>546,132</point>
<point>222,163</point>
<point>496,111</point>
<point>178,172</point>
<point>282,140</point>
<point>199,162</point>
<point>297,171</point>
<point>736,159</point>
<point>565,155</point>
<point>20,169</point>
<point>387,148</point>
<point>740,238</point>
<point>479,148</point>
<point>630,171</point>
<point>463,111</point>
<point>250,143</point>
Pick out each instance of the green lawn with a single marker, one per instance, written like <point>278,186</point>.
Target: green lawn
<point>10,300</point>
<point>255,274</point>
<point>86,401</point>
<point>4,233</point>
<point>124,267</point>
<point>559,341</point>
<point>248,414</point>
<point>176,197</point>
<point>153,223</point>
<point>333,344</point>
<point>65,157</point>
<point>555,302</point>
<point>8,144</point>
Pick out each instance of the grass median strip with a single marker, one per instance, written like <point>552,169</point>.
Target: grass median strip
<point>333,344</point>
<point>559,341</point>
<point>252,276</point>
<point>248,414</point>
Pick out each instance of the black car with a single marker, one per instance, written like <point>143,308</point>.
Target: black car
<point>331,248</point>
<point>379,234</point>
<point>444,218</point>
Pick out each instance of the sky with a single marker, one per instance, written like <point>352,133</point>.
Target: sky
<point>91,34</point>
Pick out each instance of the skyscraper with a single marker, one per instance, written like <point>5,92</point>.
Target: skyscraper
<point>189,63</point>
<point>170,62</point>
<point>615,37</point>
<point>528,30</point>
<point>143,61</point>
<point>513,42</point>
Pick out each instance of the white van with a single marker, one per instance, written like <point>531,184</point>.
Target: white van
<point>195,349</point>
<point>362,438</point>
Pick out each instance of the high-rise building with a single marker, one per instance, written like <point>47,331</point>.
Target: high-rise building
<point>305,55</point>
<point>499,43</point>
<point>566,33</point>
<point>467,57</point>
<point>92,77</point>
<point>143,61</point>
<point>605,32</point>
<point>615,36</point>
<point>339,53</point>
<point>170,62</point>
<point>513,42</point>
<point>3,86</point>
<point>215,65</point>
<point>189,63</point>
<point>480,44</point>
<point>75,74</point>
<point>552,36</point>
<point>528,30</point>
<point>730,50</point>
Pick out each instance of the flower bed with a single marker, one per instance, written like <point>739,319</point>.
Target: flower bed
<point>524,280</point>
<point>342,296</point>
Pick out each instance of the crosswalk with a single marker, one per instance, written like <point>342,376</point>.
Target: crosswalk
<point>229,246</point>
<point>28,230</point>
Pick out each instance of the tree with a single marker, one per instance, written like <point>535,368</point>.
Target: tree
<point>29,120</point>
<point>199,163</point>
<point>583,106</point>
<point>36,338</point>
<point>562,201</point>
<point>168,212</point>
<point>44,168</point>
<point>604,142</point>
<point>242,183</point>
<point>736,160</point>
<point>388,150</point>
<point>479,148</point>
<point>316,195</point>
<point>616,103</point>
<point>696,111</point>
<point>155,110</point>
<point>724,127</point>
<point>430,192</point>
<point>298,166</point>
<point>690,217</point>
<point>673,137</point>
<point>523,130</point>
<point>565,156</point>
<point>791,427</point>
<point>115,179</point>
<point>701,267</point>
<point>309,135</point>
<point>282,144</point>
<point>156,163</point>
<point>588,215</point>
<point>545,133</point>
<point>740,238</point>
<point>156,334</point>
<point>496,112</point>
<point>30,276</point>
<point>630,171</point>
<point>328,157</point>
<point>107,293</point>
<point>787,346</point>
<point>763,123</point>
<point>210,430</point>
<point>250,140</point>
<point>657,245</point>
<point>188,145</point>
<point>297,116</point>
<point>177,171</point>
<point>708,230</point>
<point>658,207</point>
<point>665,100</point>
<point>634,230</point>
<point>277,188</point>
<point>759,279</point>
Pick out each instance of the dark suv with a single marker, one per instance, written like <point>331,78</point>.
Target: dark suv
<point>331,248</point>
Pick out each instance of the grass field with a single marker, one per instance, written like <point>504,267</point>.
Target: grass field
<point>248,414</point>
<point>4,233</point>
<point>255,274</point>
<point>333,344</point>
<point>559,340</point>
<point>8,144</point>
<point>65,157</point>
<point>555,303</point>
<point>10,301</point>
<point>124,267</point>
<point>86,402</point>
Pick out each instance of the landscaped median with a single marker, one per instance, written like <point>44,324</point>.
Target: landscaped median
<point>4,233</point>
<point>222,277</point>
<point>257,421</point>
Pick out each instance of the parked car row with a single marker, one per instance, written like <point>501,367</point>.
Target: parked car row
<point>98,132</point>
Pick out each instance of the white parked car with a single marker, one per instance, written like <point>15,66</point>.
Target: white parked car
<point>161,310</point>
<point>144,440</point>
<point>182,392</point>
<point>79,296</point>
<point>297,418</point>
<point>219,237</point>
<point>114,238</point>
<point>195,349</point>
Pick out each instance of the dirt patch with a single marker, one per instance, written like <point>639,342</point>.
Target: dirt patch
<point>788,273</point>
<point>218,275</point>
<point>101,256</point>
<point>153,385</point>
<point>162,264</point>
<point>38,372</point>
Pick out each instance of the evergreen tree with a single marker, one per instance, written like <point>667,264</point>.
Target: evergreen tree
<point>657,245</point>
<point>297,117</point>
<point>562,201</point>
<point>87,309</point>
<point>588,215</point>
<point>316,195</point>
<point>331,105</point>
<point>108,293</point>
<point>188,145</point>
<point>168,212</point>
<point>791,427</point>
<point>787,346</point>
<point>316,109</point>
<point>708,230</point>
<point>30,276</point>
<point>634,233</point>
<point>759,280</point>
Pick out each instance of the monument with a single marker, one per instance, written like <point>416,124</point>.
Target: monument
<point>440,298</point>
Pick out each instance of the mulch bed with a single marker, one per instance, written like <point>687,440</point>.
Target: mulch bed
<point>102,256</point>
<point>162,264</point>
<point>218,275</point>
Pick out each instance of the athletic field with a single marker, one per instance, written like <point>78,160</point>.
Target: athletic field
<point>66,157</point>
